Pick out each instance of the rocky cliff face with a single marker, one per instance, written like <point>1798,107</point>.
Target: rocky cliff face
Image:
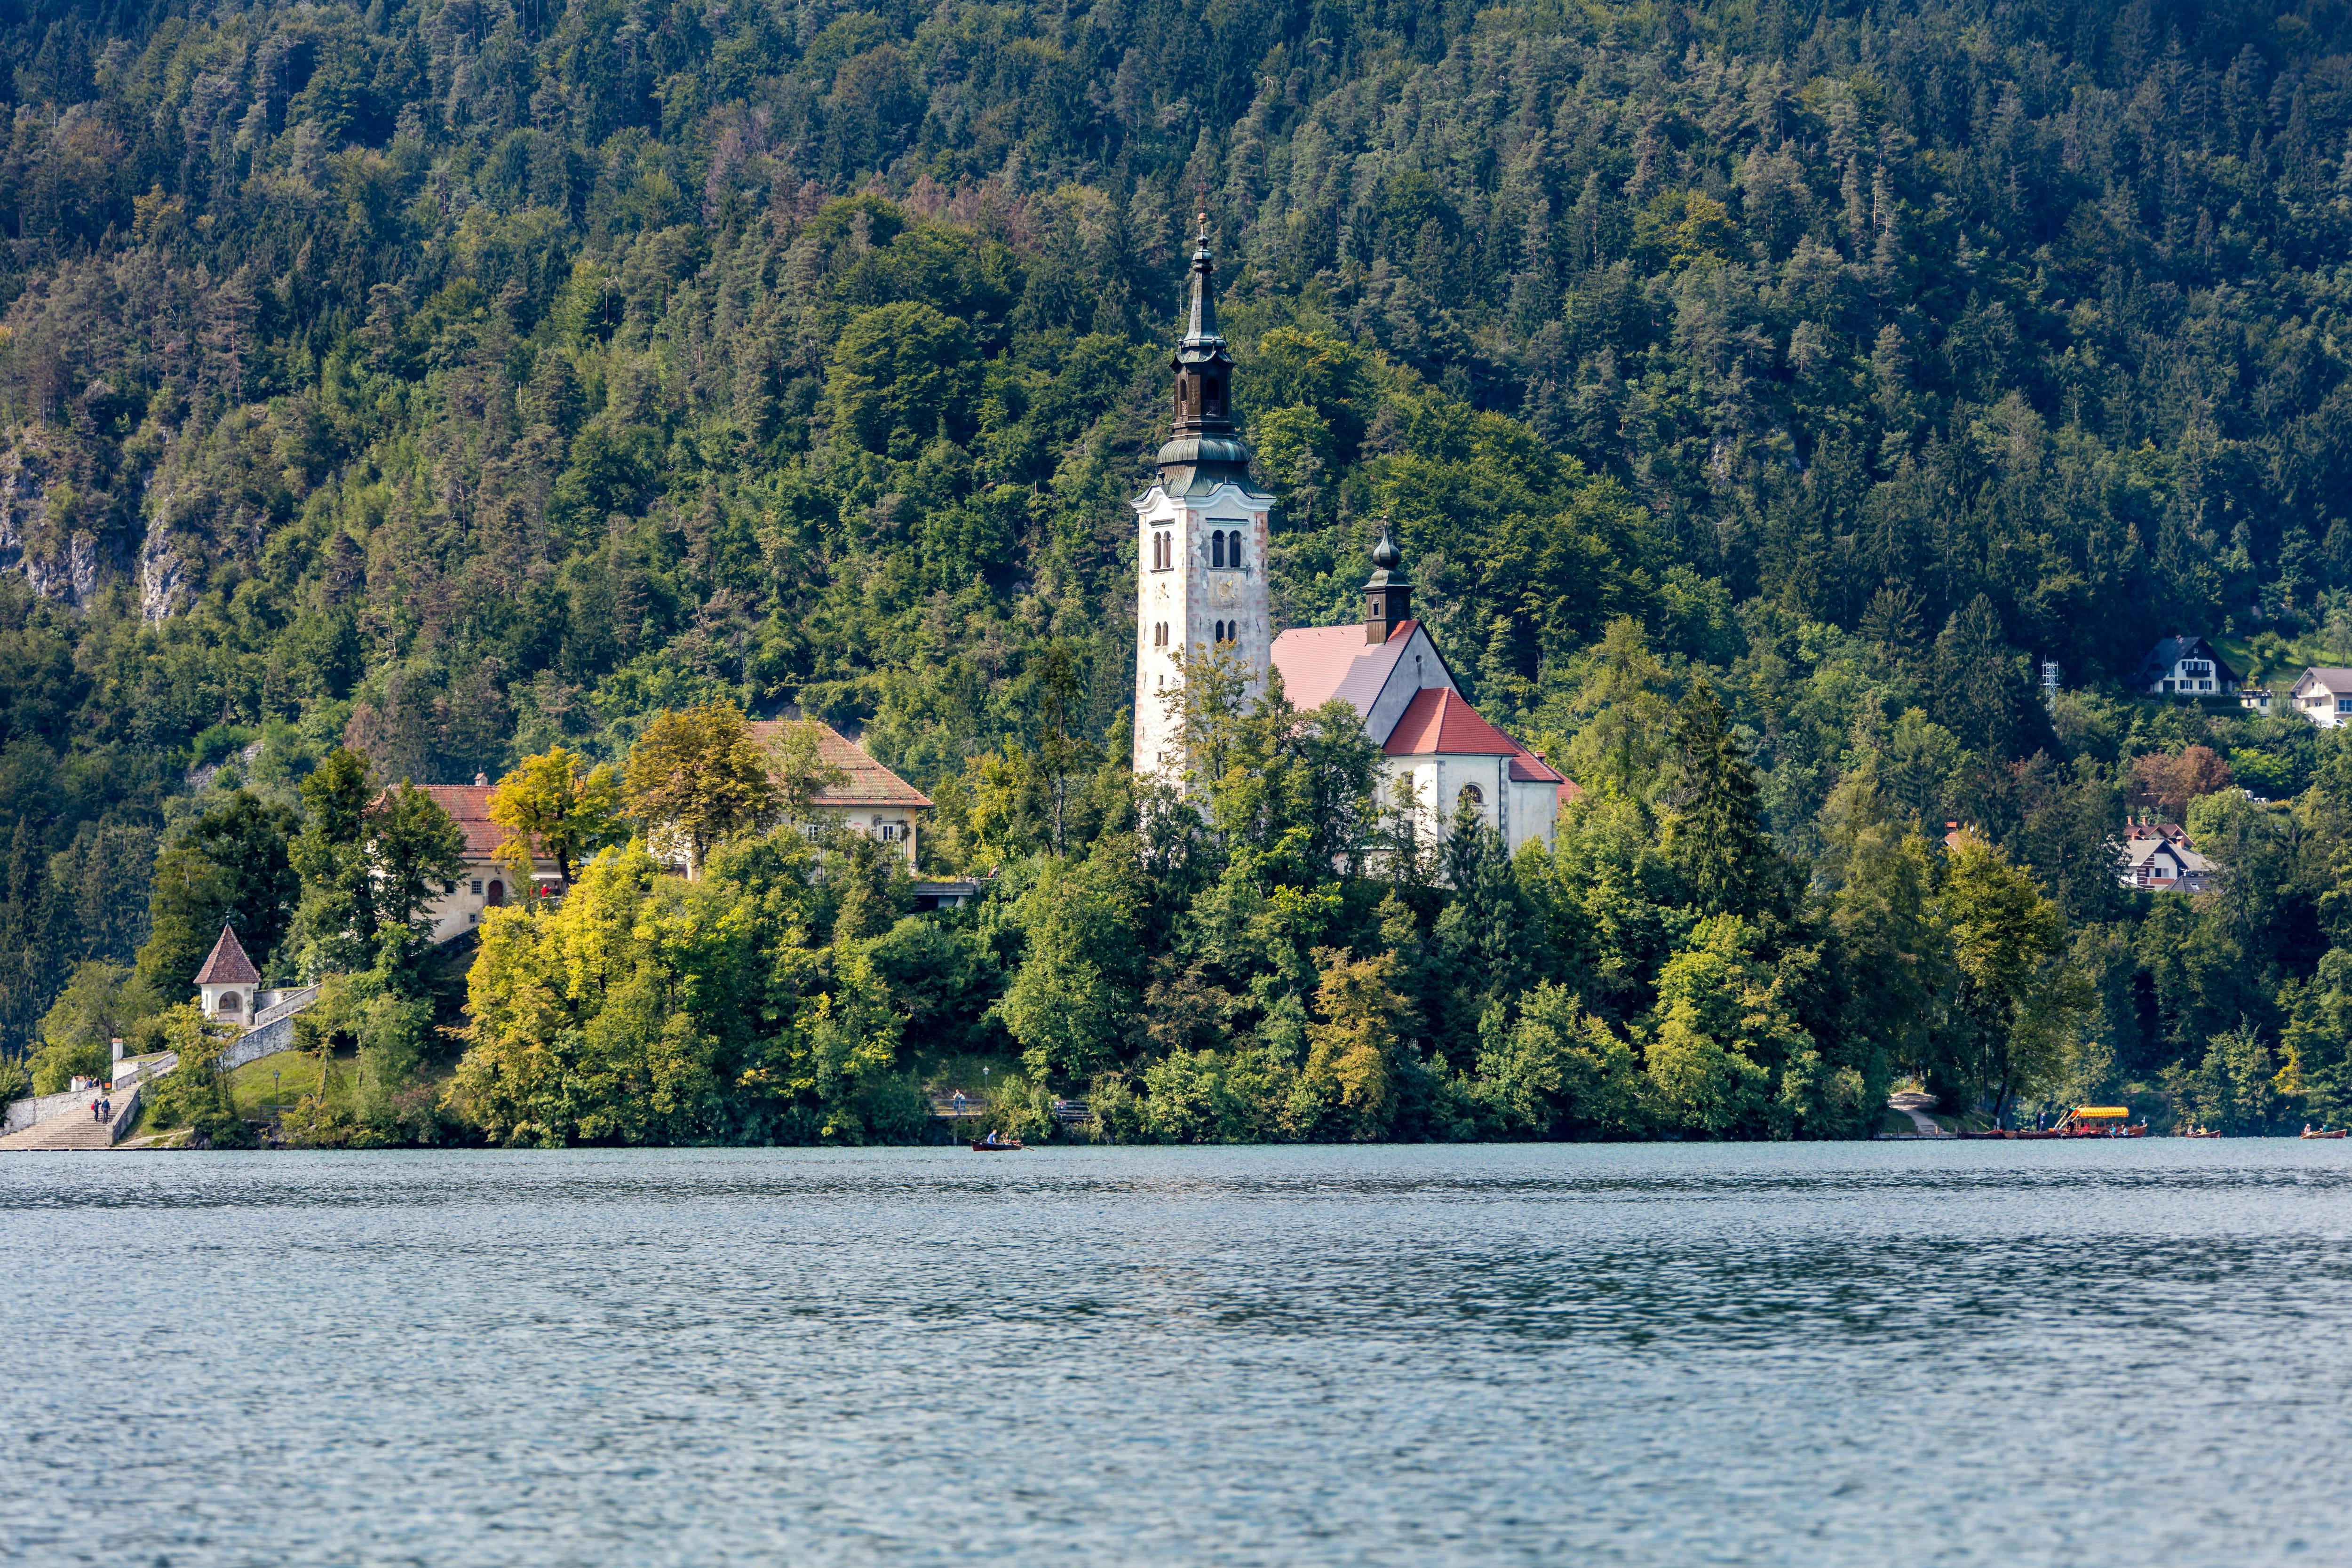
<point>59,563</point>
<point>163,575</point>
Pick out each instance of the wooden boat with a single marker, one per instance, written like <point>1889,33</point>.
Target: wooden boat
<point>981,1146</point>
<point>2099,1121</point>
<point>2200,1133</point>
<point>2339,1133</point>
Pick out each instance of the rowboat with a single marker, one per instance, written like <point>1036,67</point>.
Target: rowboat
<point>2339,1133</point>
<point>981,1147</point>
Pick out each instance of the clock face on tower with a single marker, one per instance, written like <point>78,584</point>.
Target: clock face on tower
<point>1223,592</point>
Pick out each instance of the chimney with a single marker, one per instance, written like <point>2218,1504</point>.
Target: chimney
<point>1388,597</point>
<point>481,781</point>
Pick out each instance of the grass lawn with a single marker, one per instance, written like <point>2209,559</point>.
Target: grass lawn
<point>296,1074</point>
<point>2280,660</point>
<point>1893,1120</point>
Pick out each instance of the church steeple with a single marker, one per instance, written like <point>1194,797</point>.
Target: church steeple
<point>1388,595</point>
<point>1203,448</point>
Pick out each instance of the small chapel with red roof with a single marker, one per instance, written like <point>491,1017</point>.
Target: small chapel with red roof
<point>1201,569</point>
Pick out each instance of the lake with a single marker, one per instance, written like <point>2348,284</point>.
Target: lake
<point>1887,1353</point>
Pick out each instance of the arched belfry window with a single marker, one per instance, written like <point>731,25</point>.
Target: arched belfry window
<point>1212,397</point>
<point>1217,548</point>
<point>1473,796</point>
<point>1234,549</point>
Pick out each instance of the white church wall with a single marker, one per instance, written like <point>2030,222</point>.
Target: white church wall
<point>1535,813</point>
<point>1417,668</point>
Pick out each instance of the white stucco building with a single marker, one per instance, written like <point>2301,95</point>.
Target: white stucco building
<point>2322,694</point>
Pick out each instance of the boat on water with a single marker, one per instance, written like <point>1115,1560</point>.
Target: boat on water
<point>982,1146</point>
<point>2337,1132</point>
<point>2099,1121</point>
<point>2200,1133</point>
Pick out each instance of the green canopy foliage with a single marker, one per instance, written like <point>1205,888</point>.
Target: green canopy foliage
<point>387,395</point>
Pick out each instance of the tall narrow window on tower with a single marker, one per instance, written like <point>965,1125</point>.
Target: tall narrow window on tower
<point>1217,550</point>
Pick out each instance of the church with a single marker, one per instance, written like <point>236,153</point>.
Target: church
<point>1201,583</point>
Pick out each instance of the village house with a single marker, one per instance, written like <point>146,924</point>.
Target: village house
<point>870,799</point>
<point>2322,694</point>
<point>2255,700</point>
<point>2185,666</point>
<point>2159,859</point>
<point>1200,587</point>
<point>484,884</point>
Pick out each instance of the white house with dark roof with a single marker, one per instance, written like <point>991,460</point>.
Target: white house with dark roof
<point>2185,666</point>
<point>2161,864</point>
<point>2322,694</point>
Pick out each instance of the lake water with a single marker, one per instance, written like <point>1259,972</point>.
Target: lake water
<point>1885,1354</point>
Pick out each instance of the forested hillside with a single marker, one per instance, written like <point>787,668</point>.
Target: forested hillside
<point>451,381</point>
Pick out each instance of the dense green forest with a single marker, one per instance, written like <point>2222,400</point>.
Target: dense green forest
<point>1760,392</point>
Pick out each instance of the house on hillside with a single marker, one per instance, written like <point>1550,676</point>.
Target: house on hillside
<point>2152,861</point>
<point>2184,667</point>
<point>485,884</point>
<point>2255,700</point>
<point>870,800</point>
<point>2322,694</point>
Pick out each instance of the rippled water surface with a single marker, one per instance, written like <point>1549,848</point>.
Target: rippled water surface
<point>1827,1354</point>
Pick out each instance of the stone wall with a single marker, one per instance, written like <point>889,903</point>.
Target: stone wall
<point>23,1114</point>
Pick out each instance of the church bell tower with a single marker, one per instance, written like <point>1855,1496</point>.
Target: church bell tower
<point>1201,539</point>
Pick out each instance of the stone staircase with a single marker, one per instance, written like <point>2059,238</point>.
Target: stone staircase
<point>74,1128</point>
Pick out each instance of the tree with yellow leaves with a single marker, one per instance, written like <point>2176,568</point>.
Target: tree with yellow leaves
<point>549,804</point>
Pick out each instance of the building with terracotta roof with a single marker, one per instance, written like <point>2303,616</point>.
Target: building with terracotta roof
<point>870,799</point>
<point>1200,586</point>
<point>226,982</point>
<point>485,884</point>
<point>1389,669</point>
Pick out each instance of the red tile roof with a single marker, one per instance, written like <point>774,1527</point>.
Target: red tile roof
<point>468,807</point>
<point>1438,721</point>
<point>228,965</point>
<point>869,783</point>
